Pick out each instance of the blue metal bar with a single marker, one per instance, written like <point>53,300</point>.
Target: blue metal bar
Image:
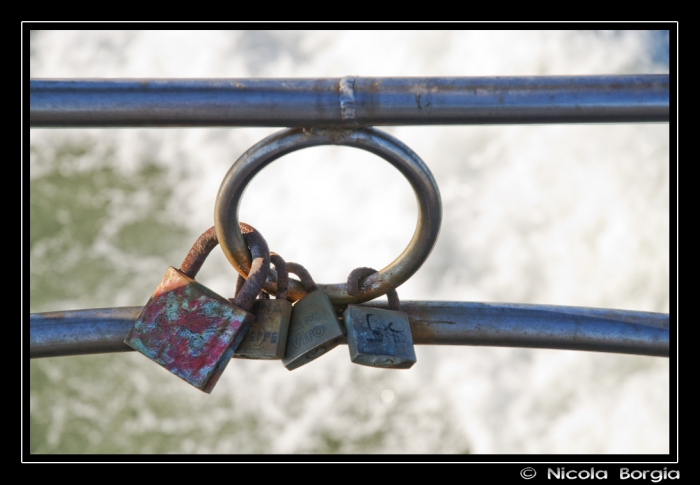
<point>348,102</point>
<point>432,323</point>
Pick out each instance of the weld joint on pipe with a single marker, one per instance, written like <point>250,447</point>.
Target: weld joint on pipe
<point>347,98</point>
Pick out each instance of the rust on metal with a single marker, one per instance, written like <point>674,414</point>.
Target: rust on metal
<point>346,88</point>
<point>267,336</point>
<point>306,280</point>
<point>188,329</point>
<point>353,286</point>
<point>281,292</point>
<point>259,269</point>
<point>240,281</point>
<point>282,276</point>
<point>199,252</point>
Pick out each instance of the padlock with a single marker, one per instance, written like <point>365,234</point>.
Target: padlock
<point>190,330</point>
<point>378,337</point>
<point>314,328</point>
<point>267,336</point>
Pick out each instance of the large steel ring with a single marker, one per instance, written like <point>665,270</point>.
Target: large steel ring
<point>370,139</point>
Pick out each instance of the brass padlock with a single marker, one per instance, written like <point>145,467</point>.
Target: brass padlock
<point>378,337</point>
<point>314,328</point>
<point>190,330</point>
<point>267,336</point>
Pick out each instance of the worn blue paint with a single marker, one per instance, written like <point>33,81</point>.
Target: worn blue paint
<point>189,330</point>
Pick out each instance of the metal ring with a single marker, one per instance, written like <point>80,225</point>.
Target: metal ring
<point>370,139</point>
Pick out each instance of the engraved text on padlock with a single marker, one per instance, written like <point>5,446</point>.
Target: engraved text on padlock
<point>314,328</point>
<point>378,337</point>
<point>267,337</point>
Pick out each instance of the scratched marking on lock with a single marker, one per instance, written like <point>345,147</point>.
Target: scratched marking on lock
<point>267,337</point>
<point>314,329</point>
<point>379,339</point>
<point>189,330</point>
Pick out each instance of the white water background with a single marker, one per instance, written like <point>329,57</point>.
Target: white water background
<point>549,214</point>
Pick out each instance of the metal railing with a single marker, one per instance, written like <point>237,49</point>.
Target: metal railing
<point>349,101</point>
<point>353,102</point>
<point>432,323</point>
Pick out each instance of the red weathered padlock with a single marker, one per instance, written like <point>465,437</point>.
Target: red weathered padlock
<point>190,330</point>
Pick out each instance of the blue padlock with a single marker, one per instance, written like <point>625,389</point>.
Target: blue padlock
<point>378,337</point>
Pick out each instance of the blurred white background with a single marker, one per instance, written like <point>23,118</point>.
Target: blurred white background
<point>550,214</point>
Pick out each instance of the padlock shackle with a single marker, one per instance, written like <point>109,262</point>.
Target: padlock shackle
<point>282,279</point>
<point>259,269</point>
<point>198,253</point>
<point>282,276</point>
<point>306,280</point>
<point>208,241</point>
<point>240,281</point>
<point>353,287</point>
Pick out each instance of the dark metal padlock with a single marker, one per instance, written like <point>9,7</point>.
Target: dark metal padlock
<point>314,328</point>
<point>378,337</point>
<point>190,330</point>
<point>267,336</point>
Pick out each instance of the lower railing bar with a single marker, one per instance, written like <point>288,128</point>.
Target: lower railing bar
<point>96,331</point>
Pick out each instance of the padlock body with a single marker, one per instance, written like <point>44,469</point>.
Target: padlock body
<point>314,329</point>
<point>190,330</point>
<point>267,336</point>
<point>379,338</point>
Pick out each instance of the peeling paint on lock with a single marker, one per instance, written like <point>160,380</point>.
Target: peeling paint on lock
<point>189,330</point>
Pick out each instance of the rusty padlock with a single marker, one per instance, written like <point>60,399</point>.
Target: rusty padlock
<point>190,330</point>
<point>267,336</point>
<point>314,328</point>
<point>378,337</point>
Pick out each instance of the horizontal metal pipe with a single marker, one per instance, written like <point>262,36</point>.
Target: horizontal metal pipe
<point>348,102</point>
<point>432,323</point>
<point>77,332</point>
